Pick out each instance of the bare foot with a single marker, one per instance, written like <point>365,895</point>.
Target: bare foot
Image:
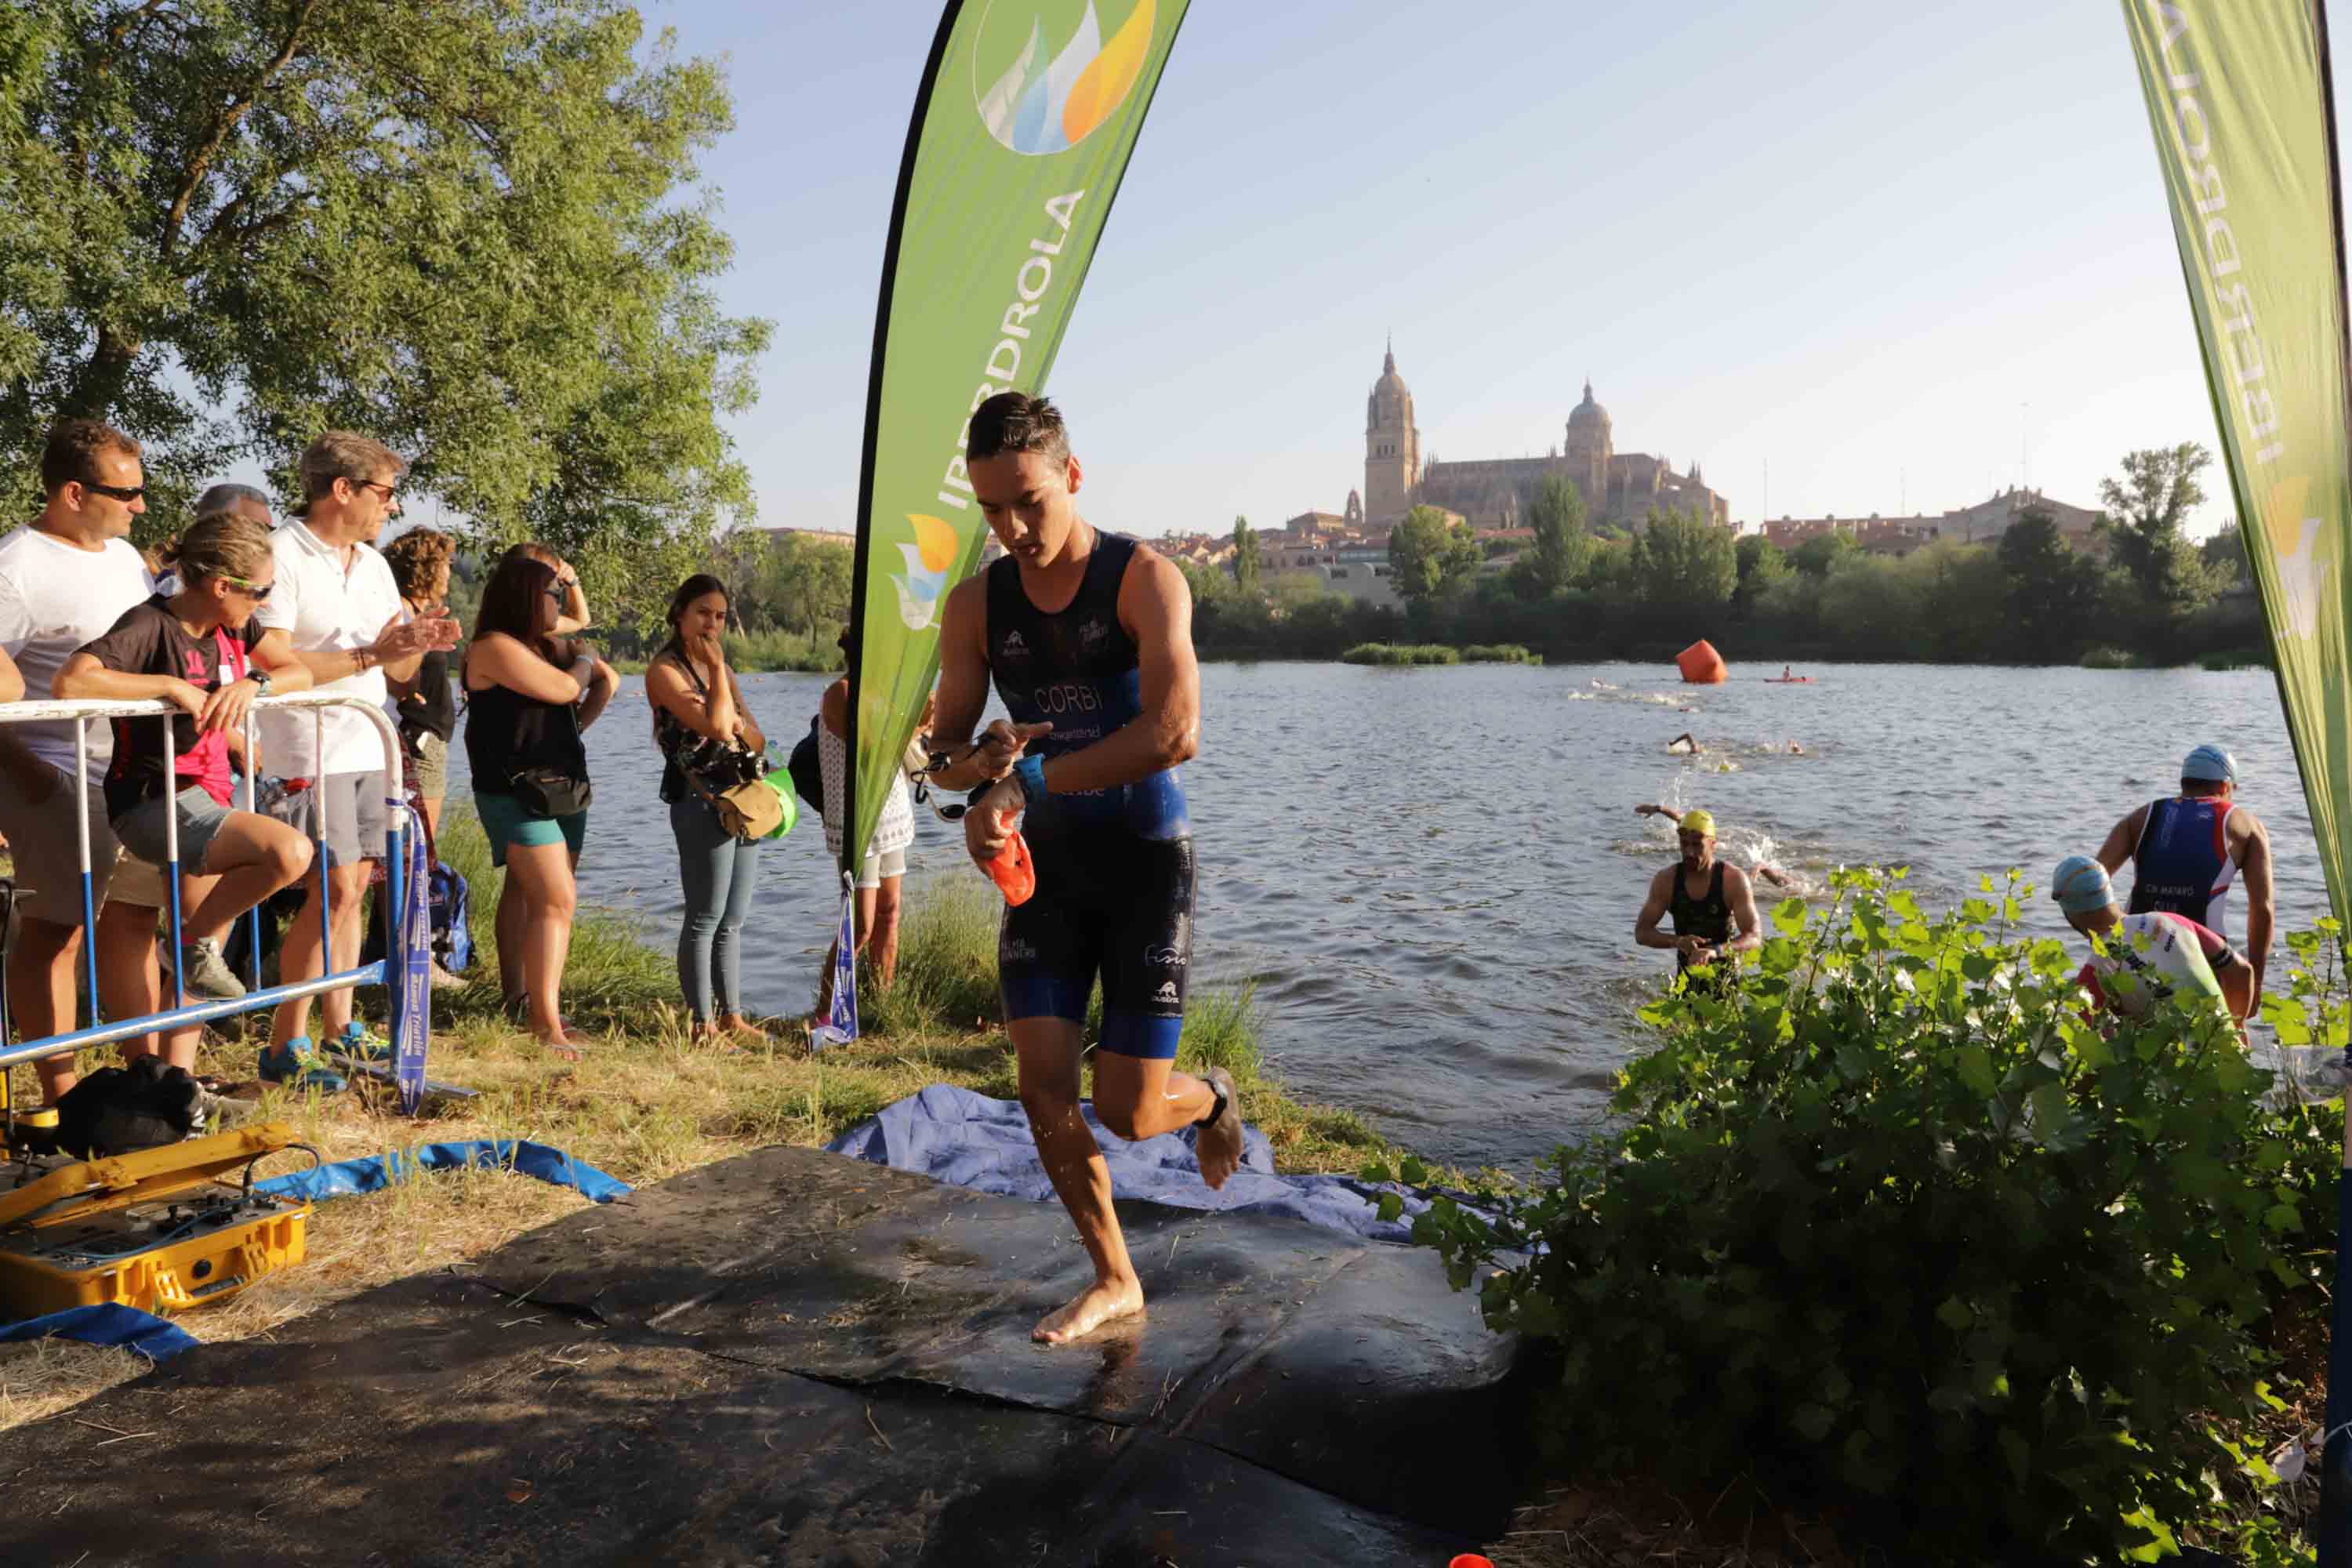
<point>566,1047</point>
<point>1097,1304</point>
<point>735,1025</point>
<point>1218,1148</point>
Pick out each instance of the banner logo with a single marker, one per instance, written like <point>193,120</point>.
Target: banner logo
<point>1048,100</point>
<point>928,560</point>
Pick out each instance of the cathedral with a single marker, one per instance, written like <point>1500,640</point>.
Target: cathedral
<point>1621,487</point>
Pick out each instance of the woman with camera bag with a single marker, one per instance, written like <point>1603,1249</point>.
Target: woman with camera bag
<point>711,745</point>
<point>529,694</point>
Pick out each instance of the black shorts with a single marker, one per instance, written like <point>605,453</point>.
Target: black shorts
<point>1116,906</point>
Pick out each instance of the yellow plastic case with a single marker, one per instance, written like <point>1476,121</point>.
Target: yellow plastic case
<point>158,1230</point>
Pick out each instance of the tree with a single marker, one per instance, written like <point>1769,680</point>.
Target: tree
<point>1247,558</point>
<point>472,228</point>
<point>2145,512</point>
<point>1761,564</point>
<point>1561,550</point>
<point>2053,592</point>
<point>2225,556</point>
<point>1428,557</point>
<point>1684,562</point>
<point>1820,555</point>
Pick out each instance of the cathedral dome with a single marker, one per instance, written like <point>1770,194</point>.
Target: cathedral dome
<point>1391,404</point>
<point>1588,413</point>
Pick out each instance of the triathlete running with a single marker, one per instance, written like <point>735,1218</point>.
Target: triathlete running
<point>2185,853</point>
<point>1088,637</point>
<point>1712,902</point>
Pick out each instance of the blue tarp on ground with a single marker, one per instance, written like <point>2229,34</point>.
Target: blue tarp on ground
<point>968,1140</point>
<point>378,1172</point>
<point>153,1337</point>
<point>158,1339</point>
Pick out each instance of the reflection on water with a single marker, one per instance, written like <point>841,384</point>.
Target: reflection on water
<point>1432,874</point>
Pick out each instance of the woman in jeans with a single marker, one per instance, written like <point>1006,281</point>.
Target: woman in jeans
<point>695,698</point>
<point>529,694</point>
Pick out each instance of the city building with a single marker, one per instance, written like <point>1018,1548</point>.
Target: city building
<point>1623,488</point>
<point>1982,523</point>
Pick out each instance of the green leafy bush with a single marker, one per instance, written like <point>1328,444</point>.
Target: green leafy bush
<point>1894,1226</point>
<point>1399,653</point>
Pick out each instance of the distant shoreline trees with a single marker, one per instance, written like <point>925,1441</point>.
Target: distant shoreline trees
<point>2144,593</point>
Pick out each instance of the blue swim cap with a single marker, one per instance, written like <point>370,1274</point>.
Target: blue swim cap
<point>2080,885</point>
<point>2210,763</point>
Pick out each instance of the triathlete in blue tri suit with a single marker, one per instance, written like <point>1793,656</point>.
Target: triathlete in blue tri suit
<point>1088,637</point>
<point>2186,851</point>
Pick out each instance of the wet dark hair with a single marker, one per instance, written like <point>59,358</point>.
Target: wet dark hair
<point>1016,422</point>
<point>693,588</point>
<point>510,602</point>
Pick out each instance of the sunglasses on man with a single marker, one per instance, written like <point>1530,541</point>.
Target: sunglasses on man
<point>126,494</point>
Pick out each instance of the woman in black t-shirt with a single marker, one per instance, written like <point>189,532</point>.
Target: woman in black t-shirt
<point>201,650</point>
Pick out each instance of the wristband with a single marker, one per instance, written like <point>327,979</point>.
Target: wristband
<point>1029,773</point>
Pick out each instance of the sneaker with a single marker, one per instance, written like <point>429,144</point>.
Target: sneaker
<point>204,973</point>
<point>359,1041</point>
<point>294,1063</point>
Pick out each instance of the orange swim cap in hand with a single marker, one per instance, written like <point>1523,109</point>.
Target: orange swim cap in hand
<point>1012,871</point>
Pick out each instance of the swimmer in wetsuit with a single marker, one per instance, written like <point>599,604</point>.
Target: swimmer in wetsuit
<point>2150,956</point>
<point>1711,900</point>
<point>1088,637</point>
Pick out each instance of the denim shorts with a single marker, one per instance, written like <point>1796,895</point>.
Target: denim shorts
<point>141,829</point>
<point>505,820</point>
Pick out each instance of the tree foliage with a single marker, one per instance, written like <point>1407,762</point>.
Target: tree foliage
<point>2053,593</point>
<point>1894,1226</point>
<point>1820,555</point>
<point>1683,561</point>
<point>472,228</point>
<point>1762,566</point>
<point>1562,548</point>
<point>1248,559</point>
<point>2147,511</point>
<point>1430,557</point>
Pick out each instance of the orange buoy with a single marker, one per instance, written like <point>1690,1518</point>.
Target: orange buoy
<point>1701,664</point>
<point>1012,872</point>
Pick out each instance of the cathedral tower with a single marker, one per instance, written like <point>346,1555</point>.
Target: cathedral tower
<point>1392,447</point>
<point>1588,451</point>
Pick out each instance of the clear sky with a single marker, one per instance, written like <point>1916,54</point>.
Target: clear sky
<point>1903,253</point>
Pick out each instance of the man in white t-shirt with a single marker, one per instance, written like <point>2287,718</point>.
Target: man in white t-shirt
<point>65,579</point>
<point>337,601</point>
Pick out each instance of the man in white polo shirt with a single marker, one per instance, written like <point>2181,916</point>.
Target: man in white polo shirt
<point>65,579</point>
<point>339,605</point>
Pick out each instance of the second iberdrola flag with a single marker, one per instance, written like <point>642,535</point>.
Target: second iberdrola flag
<point>1023,122</point>
<point>2237,96</point>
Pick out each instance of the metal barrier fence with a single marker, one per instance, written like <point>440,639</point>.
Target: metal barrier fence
<point>407,1001</point>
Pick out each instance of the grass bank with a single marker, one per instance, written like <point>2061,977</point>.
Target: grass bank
<point>646,1103</point>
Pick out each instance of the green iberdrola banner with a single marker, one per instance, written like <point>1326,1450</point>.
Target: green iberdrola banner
<point>1023,126</point>
<point>2237,95</point>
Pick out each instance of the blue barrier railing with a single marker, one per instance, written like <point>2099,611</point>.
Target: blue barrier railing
<point>180,1015</point>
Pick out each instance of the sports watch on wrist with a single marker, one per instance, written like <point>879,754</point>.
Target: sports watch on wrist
<point>260,678</point>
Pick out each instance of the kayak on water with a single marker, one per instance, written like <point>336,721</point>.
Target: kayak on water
<point>1787,681</point>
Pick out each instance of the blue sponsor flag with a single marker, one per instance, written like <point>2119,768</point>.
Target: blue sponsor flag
<point>409,969</point>
<point>840,1025</point>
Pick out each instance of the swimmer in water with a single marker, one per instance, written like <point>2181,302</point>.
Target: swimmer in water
<point>1683,745</point>
<point>1770,873</point>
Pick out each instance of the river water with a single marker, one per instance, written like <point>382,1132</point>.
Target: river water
<point>1432,874</point>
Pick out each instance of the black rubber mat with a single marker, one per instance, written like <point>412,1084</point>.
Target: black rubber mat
<point>793,1358</point>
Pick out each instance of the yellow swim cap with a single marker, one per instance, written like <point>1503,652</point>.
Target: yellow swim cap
<point>1698,822</point>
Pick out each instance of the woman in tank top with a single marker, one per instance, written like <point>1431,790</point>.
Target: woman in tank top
<point>697,700</point>
<point>529,694</point>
